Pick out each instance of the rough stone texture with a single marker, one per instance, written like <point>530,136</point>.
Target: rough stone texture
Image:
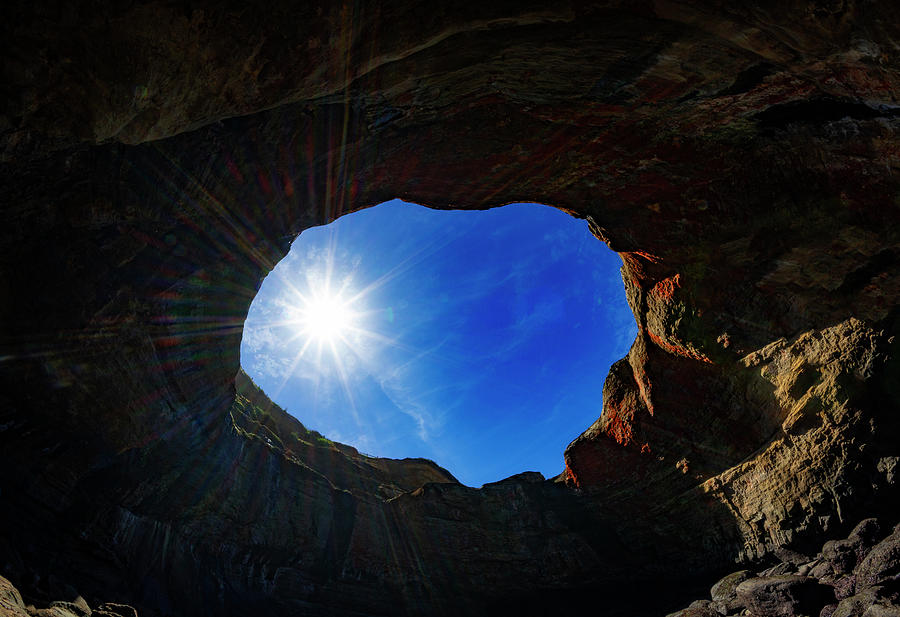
<point>111,609</point>
<point>783,595</point>
<point>695,611</point>
<point>795,594</point>
<point>77,607</point>
<point>857,604</point>
<point>882,564</point>
<point>11,604</point>
<point>724,594</point>
<point>158,158</point>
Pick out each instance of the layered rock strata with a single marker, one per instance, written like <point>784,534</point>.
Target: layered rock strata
<point>157,160</point>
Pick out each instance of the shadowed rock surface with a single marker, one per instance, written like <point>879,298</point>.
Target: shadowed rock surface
<point>828,585</point>
<point>158,159</point>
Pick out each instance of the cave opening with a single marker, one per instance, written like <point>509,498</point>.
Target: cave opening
<point>477,339</point>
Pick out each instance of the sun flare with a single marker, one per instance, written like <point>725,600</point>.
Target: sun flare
<point>325,318</point>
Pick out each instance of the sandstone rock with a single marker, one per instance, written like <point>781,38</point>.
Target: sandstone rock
<point>56,610</point>
<point>784,595</point>
<point>888,466</point>
<point>156,160</point>
<point>78,607</point>
<point>11,604</point>
<point>11,611</point>
<point>111,609</point>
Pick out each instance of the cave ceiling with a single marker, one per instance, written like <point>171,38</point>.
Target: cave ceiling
<point>157,159</point>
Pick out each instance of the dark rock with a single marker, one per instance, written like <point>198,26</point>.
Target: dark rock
<point>528,477</point>
<point>724,594</point>
<point>792,557</point>
<point>778,570</point>
<point>157,159</point>
<point>845,555</point>
<point>844,586</point>
<point>695,611</point>
<point>822,570</point>
<point>856,605</point>
<point>867,533</point>
<point>841,554</point>
<point>784,595</point>
<point>882,610</point>
<point>806,568</point>
<point>882,564</point>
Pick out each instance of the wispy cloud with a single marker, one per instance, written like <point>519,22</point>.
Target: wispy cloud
<point>405,387</point>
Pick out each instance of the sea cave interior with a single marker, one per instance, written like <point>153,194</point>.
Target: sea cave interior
<point>736,164</point>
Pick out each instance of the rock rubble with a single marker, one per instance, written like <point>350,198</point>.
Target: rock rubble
<point>858,576</point>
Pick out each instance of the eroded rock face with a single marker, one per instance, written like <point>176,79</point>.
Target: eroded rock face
<point>158,160</point>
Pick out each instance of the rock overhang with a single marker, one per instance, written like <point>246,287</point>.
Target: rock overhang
<point>726,158</point>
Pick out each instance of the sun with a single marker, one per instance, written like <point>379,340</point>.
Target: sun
<point>325,317</point>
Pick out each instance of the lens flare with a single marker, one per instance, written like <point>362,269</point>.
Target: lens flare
<point>325,318</point>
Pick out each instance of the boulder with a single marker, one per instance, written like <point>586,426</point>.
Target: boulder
<point>882,564</point>
<point>882,610</point>
<point>841,554</point>
<point>783,596</point>
<point>866,533</point>
<point>856,605</point>
<point>723,593</point>
<point>78,607</point>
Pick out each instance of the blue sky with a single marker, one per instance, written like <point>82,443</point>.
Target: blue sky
<point>479,340</point>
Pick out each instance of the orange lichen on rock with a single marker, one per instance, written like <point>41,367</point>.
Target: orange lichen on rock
<point>570,478</point>
<point>665,288</point>
<point>677,350</point>
<point>617,426</point>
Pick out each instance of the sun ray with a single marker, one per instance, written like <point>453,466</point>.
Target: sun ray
<point>345,382</point>
<point>293,366</point>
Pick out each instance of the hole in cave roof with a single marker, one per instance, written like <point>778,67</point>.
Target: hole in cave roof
<point>477,339</point>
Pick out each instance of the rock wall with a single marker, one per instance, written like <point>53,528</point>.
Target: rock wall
<point>158,159</point>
